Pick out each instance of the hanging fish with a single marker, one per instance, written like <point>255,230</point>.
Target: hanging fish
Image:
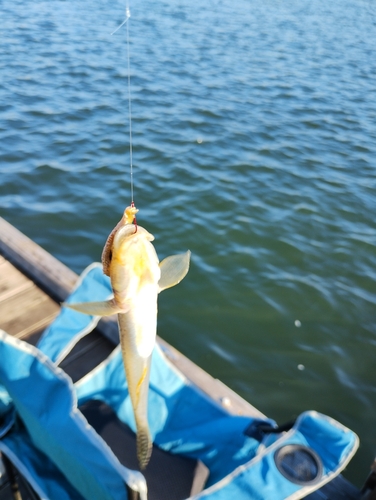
<point>132,264</point>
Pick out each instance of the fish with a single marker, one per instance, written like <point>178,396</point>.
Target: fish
<point>137,277</point>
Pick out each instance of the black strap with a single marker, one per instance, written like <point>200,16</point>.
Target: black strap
<point>12,477</point>
<point>258,429</point>
<point>268,429</point>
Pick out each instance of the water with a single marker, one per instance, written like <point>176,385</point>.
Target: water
<point>254,127</point>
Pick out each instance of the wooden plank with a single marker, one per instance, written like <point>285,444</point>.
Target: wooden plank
<point>12,281</point>
<point>23,302</point>
<point>27,312</point>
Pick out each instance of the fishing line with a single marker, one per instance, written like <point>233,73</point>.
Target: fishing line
<point>126,22</point>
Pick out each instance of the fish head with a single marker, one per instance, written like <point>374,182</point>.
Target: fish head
<point>133,250</point>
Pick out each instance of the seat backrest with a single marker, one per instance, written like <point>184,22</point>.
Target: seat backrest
<point>44,400</point>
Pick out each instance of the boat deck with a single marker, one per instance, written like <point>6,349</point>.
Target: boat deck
<point>25,310</point>
<point>33,283</point>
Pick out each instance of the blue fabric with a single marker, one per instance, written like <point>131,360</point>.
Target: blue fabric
<point>44,399</point>
<point>69,326</point>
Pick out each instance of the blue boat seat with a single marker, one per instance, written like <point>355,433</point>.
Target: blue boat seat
<point>51,427</point>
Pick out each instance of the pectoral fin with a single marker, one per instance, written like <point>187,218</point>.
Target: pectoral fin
<point>105,308</point>
<point>173,270</point>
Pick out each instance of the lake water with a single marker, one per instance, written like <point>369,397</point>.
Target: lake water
<point>254,145</point>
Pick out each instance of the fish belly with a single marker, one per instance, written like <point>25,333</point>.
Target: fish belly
<point>137,348</point>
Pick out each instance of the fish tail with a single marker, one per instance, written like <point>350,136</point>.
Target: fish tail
<point>144,446</point>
